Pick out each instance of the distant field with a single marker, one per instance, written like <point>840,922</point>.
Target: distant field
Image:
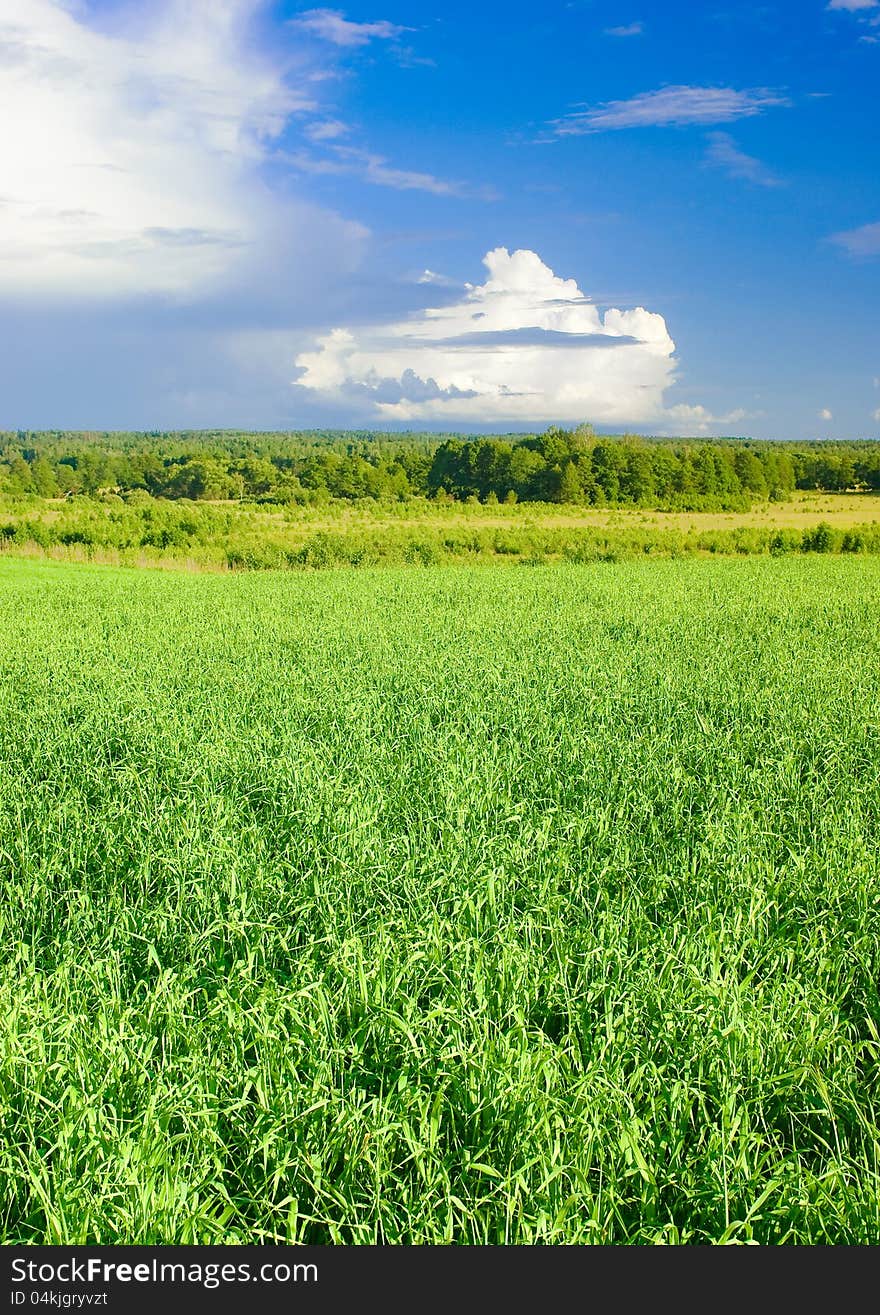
<point>804,509</point>
<point>426,906</point>
<point>231,535</point>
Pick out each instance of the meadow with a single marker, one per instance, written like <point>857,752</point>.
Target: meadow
<point>439,905</point>
<point>233,536</point>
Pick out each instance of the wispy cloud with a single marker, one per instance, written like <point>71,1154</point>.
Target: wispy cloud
<point>670,107</point>
<point>724,152</point>
<point>864,241</point>
<point>626,30</point>
<point>332,25</point>
<point>439,280</point>
<point>372,168</point>
<point>865,14</point>
<point>408,58</point>
<point>825,414</point>
<point>326,130</point>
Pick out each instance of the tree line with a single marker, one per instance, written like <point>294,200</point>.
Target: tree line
<point>563,466</point>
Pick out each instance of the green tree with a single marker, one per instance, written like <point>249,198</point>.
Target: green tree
<point>570,487</point>
<point>43,477</point>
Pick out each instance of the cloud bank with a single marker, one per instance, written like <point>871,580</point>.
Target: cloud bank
<point>134,166</point>
<point>147,151</point>
<point>525,345</point>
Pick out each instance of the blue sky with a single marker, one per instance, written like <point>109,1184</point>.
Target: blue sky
<point>663,217</point>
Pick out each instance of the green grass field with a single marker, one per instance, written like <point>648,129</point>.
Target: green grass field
<point>440,905</point>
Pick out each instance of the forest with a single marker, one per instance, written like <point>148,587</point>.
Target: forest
<point>305,468</point>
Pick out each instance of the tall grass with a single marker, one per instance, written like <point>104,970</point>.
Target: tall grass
<point>485,906</point>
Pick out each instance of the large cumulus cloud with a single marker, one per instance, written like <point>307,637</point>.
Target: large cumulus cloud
<point>525,345</point>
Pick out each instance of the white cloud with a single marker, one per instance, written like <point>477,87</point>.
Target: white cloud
<point>876,414</point>
<point>724,152</point>
<point>699,420</point>
<point>670,107</point>
<point>852,5</point>
<point>864,241</point>
<point>332,25</point>
<point>523,346</point>
<point>135,164</point>
<point>626,30</point>
<point>825,414</point>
